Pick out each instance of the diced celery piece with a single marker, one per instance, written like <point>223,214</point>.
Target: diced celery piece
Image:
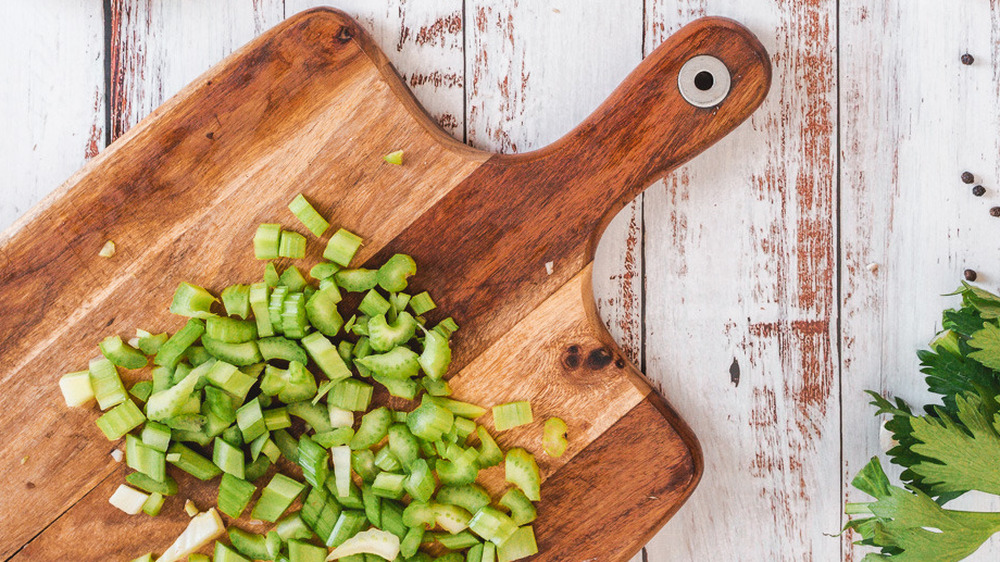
<point>435,387</point>
<point>326,357</point>
<point>145,459</point>
<point>228,377</point>
<point>294,322</point>
<point>389,485</point>
<point>372,541</point>
<point>323,270</point>
<point>451,518</point>
<point>356,280</point>
<point>307,214</point>
<point>202,529</point>
<point>277,418</point>
<point>153,504</point>
<point>192,301</point>
<point>446,327</point>
<point>513,414</point>
<point>239,354</point>
<point>141,390</point>
<point>234,495</point>
<point>293,527</point>
<point>259,300</point>
<point>107,385</point>
<point>266,241</point>
<point>223,553</point>
<point>395,157</point>
<point>492,525</point>
<point>230,330</point>
<point>250,419</point>
<point>314,460</point>
<point>122,354</point>
<point>128,499</point>
<point>292,245</point>
<point>321,310</point>
<point>457,541</point>
<point>342,247</point>
<point>420,482</point>
<point>520,545</point>
<point>276,497</point>
<point>171,351</point>
<point>301,551</point>
<point>167,487</point>
<point>193,463</point>
<point>470,497</point>
<point>236,300</point>
<point>373,304</point>
<point>313,414</point>
<point>351,394</point>
<point>384,335</point>
<point>150,345</point>
<point>249,544</point>
<point>228,458</point>
<point>120,420</point>
<point>76,388</point>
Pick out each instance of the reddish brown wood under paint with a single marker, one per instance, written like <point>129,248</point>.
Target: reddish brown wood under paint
<point>310,106</point>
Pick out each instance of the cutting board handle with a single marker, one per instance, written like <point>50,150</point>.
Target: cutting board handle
<point>647,127</point>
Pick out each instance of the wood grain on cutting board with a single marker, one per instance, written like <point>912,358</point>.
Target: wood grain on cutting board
<point>256,126</point>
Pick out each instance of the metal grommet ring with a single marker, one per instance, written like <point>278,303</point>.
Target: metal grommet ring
<point>704,81</point>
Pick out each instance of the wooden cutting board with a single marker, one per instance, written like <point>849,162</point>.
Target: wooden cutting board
<point>310,107</point>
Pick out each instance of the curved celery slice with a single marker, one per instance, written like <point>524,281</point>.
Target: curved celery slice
<point>430,421</point>
<point>363,463</point>
<point>356,280</point>
<point>403,444</point>
<point>554,439</point>
<point>513,414</point>
<point>522,511</point>
<point>315,415</point>
<point>122,354</point>
<point>249,544</point>
<point>192,301</point>
<point>373,541</point>
<point>342,247</point>
<point>323,270</point>
<point>399,363</point>
<point>418,514</point>
<point>277,347</point>
<point>436,356</point>
<point>470,497</point>
<point>239,354</point>
<point>403,388</point>
<point>521,470</point>
<point>374,427</point>
<point>384,336</point>
<point>266,241</point>
<point>463,470</point>
<point>420,482</point>
<point>321,309</point>
<point>451,518</point>
<point>457,541</point>
<point>395,271</point>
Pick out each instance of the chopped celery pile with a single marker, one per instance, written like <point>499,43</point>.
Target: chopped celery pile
<point>271,370</point>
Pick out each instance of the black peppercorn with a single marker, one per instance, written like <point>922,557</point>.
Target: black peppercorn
<point>967,177</point>
<point>978,191</point>
<point>968,59</point>
<point>970,274</point>
<point>995,211</point>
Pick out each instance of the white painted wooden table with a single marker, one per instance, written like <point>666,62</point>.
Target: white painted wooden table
<point>752,260</point>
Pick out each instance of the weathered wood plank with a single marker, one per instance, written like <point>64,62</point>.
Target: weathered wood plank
<point>159,46</point>
<point>52,101</point>
<point>423,40</point>
<point>740,301</point>
<point>913,120</point>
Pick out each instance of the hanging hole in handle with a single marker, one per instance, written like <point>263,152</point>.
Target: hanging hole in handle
<point>704,81</point>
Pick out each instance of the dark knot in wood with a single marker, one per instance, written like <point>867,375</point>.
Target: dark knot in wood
<point>345,34</point>
<point>599,359</point>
